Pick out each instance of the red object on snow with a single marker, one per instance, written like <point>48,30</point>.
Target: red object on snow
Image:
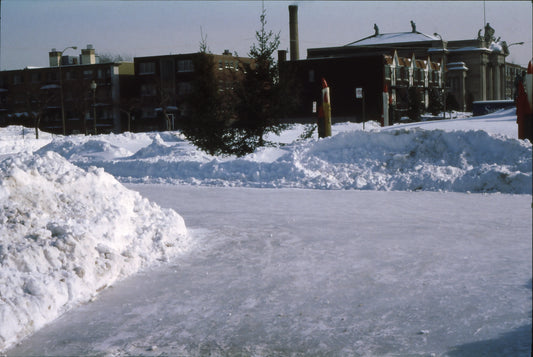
<point>524,116</point>
<point>324,83</point>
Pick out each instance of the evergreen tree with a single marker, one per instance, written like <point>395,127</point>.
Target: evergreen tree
<point>263,98</point>
<point>224,121</point>
<point>210,111</point>
<point>451,102</point>
<point>435,102</point>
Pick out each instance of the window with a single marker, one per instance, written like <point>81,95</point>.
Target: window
<point>184,88</point>
<point>418,74</point>
<point>35,77</point>
<point>167,69</point>
<point>148,90</point>
<point>148,113</point>
<point>146,67</point>
<point>399,73</point>
<point>17,78</point>
<point>387,72</point>
<point>220,65</point>
<point>311,76</point>
<point>185,66</point>
<point>88,74</point>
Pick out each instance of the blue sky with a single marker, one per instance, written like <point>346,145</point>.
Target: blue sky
<point>31,28</point>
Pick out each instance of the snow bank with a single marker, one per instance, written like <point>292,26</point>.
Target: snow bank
<point>465,154</point>
<point>416,159</point>
<point>402,158</point>
<point>66,234</point>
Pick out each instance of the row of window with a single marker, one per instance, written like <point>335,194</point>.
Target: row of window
<point>150,89</point>
<point>232,65</point>
<point>53,76</point>
<point>185,65</point>
<point>405,73</point>
<point>183,88</point>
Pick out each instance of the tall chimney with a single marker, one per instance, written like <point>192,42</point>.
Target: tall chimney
<point>293,32</point>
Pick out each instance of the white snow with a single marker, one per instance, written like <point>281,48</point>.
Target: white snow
<point>408,157</point>
<point>69,228</point>
<point>66,234</point>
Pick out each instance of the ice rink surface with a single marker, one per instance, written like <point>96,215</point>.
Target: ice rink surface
<point>290,272</point>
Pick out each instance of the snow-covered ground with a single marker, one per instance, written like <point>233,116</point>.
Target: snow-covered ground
<point>383,271</point>
<point>410,158</point>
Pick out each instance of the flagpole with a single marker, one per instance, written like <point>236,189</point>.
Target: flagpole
<point>484,15</point>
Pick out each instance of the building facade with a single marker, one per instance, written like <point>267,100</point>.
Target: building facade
<point>71,96</point>
<point>357,84</point>
<point>164,82</point>
<point>474,70</point>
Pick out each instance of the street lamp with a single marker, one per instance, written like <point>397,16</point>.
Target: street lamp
<point>93,87</point>
<point>61,89</point>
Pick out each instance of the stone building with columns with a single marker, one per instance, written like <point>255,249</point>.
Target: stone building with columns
<point>474,69</point>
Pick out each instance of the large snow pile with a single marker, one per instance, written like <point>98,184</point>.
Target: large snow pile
<point>406,157</point>
<point>67,233</point>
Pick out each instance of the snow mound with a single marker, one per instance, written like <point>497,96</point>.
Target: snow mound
<point>417,159</point>
<point>88,150</point>
<point>407,159</point>
<point>66,234</point>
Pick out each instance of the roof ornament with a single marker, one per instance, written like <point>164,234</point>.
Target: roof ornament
<point>489,33</point>
<point>413,26</point>
<point>376,30</point>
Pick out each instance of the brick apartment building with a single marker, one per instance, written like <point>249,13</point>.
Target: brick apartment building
<point>68,95</point>
<point>164,82</point>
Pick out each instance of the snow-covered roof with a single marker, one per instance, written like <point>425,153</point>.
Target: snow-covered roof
<point>469,48</point>
<point>390,38</point>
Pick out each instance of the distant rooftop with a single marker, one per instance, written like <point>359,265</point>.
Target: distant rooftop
<point>397,37</point>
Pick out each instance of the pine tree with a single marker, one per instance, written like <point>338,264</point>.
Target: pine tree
<point>435,106</point>
<point>210,112</point>
<point>262,99</point>
<point>235,122</point>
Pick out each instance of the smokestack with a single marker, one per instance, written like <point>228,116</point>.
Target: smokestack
<point>293,32</point>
